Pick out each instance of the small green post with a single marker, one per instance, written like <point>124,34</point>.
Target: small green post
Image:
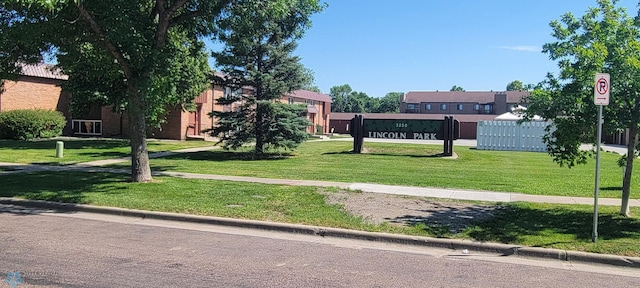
<point>59,149</point>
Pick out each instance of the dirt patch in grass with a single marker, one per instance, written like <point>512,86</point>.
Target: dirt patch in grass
<point>377,208</point>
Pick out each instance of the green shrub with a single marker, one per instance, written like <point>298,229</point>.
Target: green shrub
<point>31,124</point>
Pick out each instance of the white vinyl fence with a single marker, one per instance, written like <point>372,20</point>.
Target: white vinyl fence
<point>511,136</point>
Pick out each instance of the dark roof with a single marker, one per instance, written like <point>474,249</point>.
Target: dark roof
<point>42,70</point>
<point>303,94</point>
<point>462,96</point>
<point>459,117</point>
<point>310,95</point>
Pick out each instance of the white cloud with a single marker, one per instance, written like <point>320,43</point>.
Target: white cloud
<point>522,48</point>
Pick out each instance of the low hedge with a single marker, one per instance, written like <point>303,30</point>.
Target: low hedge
<point>31,124</point>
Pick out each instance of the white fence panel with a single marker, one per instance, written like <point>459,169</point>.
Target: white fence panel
<point>511,136</point>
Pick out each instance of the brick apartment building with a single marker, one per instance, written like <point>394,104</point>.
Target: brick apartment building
<point>181,124</point>
<point>461,102</point>
<point>37,87</point>
<point>318,108</point>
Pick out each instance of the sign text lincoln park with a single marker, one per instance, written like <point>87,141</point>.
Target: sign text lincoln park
<point>447,129</point>
<point>403,129</point>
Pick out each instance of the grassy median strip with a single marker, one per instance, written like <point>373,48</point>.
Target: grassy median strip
<point>543,225</point>
<point>562,227</point>
<point>81,150</point>
<point>412,165</point>
<point>278,203</point>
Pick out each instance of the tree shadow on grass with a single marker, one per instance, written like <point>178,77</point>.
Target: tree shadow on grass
<point>66,187</point>
<point>443,221</point>
<point>68,144</point>
<point>220,156</point>
<point>517,220</point>
<point>507,224</point>
<point>436,155</point>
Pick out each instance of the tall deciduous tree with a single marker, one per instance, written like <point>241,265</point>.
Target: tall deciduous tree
<point>310,85</point>
<point>515,85</point>
<point>146,48</point>
<point>340,98</point>
<point>359,102</point>
<point>346,100</point>
<point>260,38</point>
<point>606,40</point>
<point>390,103</point>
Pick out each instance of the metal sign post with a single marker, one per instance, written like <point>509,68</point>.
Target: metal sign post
<point>600,98</point>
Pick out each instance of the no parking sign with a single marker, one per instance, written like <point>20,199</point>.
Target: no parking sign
<point>601,90</point>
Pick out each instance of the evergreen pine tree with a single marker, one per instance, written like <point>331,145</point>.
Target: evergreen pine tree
<point>259,39</point>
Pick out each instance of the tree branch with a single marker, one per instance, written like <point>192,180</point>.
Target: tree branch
<point>184,17</point>
<point>172,10</point>
<point>193,14</point>
<point>164,21</point>
<point>117,54</point>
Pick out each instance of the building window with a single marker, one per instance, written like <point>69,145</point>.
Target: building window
<point>237,93</point>
<point>443,107</point>
<point>230,93</point>
<point>291,100</point>
<point>488,108</point>
<point>459,107</point>
<point>476,107</point>
<point>427,107</point>
<point>412,106</point>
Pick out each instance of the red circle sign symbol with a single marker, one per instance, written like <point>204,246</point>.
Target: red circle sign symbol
<point>602,86</point>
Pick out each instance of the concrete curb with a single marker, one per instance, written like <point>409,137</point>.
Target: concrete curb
<point>454,244</point>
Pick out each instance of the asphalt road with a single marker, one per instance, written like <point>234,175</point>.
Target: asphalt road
<point>91,250</point>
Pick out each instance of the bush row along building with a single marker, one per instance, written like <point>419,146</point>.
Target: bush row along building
<point>38,87</point>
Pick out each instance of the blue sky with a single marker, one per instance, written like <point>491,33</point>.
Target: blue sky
<point>424,45</point>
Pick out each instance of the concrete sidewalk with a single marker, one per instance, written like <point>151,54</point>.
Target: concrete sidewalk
<point>442,193</point>
<point>431,192</point>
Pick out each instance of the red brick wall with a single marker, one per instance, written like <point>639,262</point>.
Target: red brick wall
<point>321,118</point>
<point>175,127</point>
<point>468,130</point>
<point>206,122</point>
<point>36,93</point>
<point>111,123</point>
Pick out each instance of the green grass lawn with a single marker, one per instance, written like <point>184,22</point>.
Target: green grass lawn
<point>563,227</point>
<point>413,165</point>
<point>81,150</point>
<point>543,225</point>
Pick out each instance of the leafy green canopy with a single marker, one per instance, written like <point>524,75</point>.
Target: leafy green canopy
<point>607,40</point>
<point>346,100</point>
<point>140,56</point>
<point>170,75</point>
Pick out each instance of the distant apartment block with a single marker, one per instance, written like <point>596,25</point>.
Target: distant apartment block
<point>461,102</point>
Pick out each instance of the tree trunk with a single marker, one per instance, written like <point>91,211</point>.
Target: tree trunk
<point>626,181</point>
<point>140,170</point>
<point>258,132</point>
